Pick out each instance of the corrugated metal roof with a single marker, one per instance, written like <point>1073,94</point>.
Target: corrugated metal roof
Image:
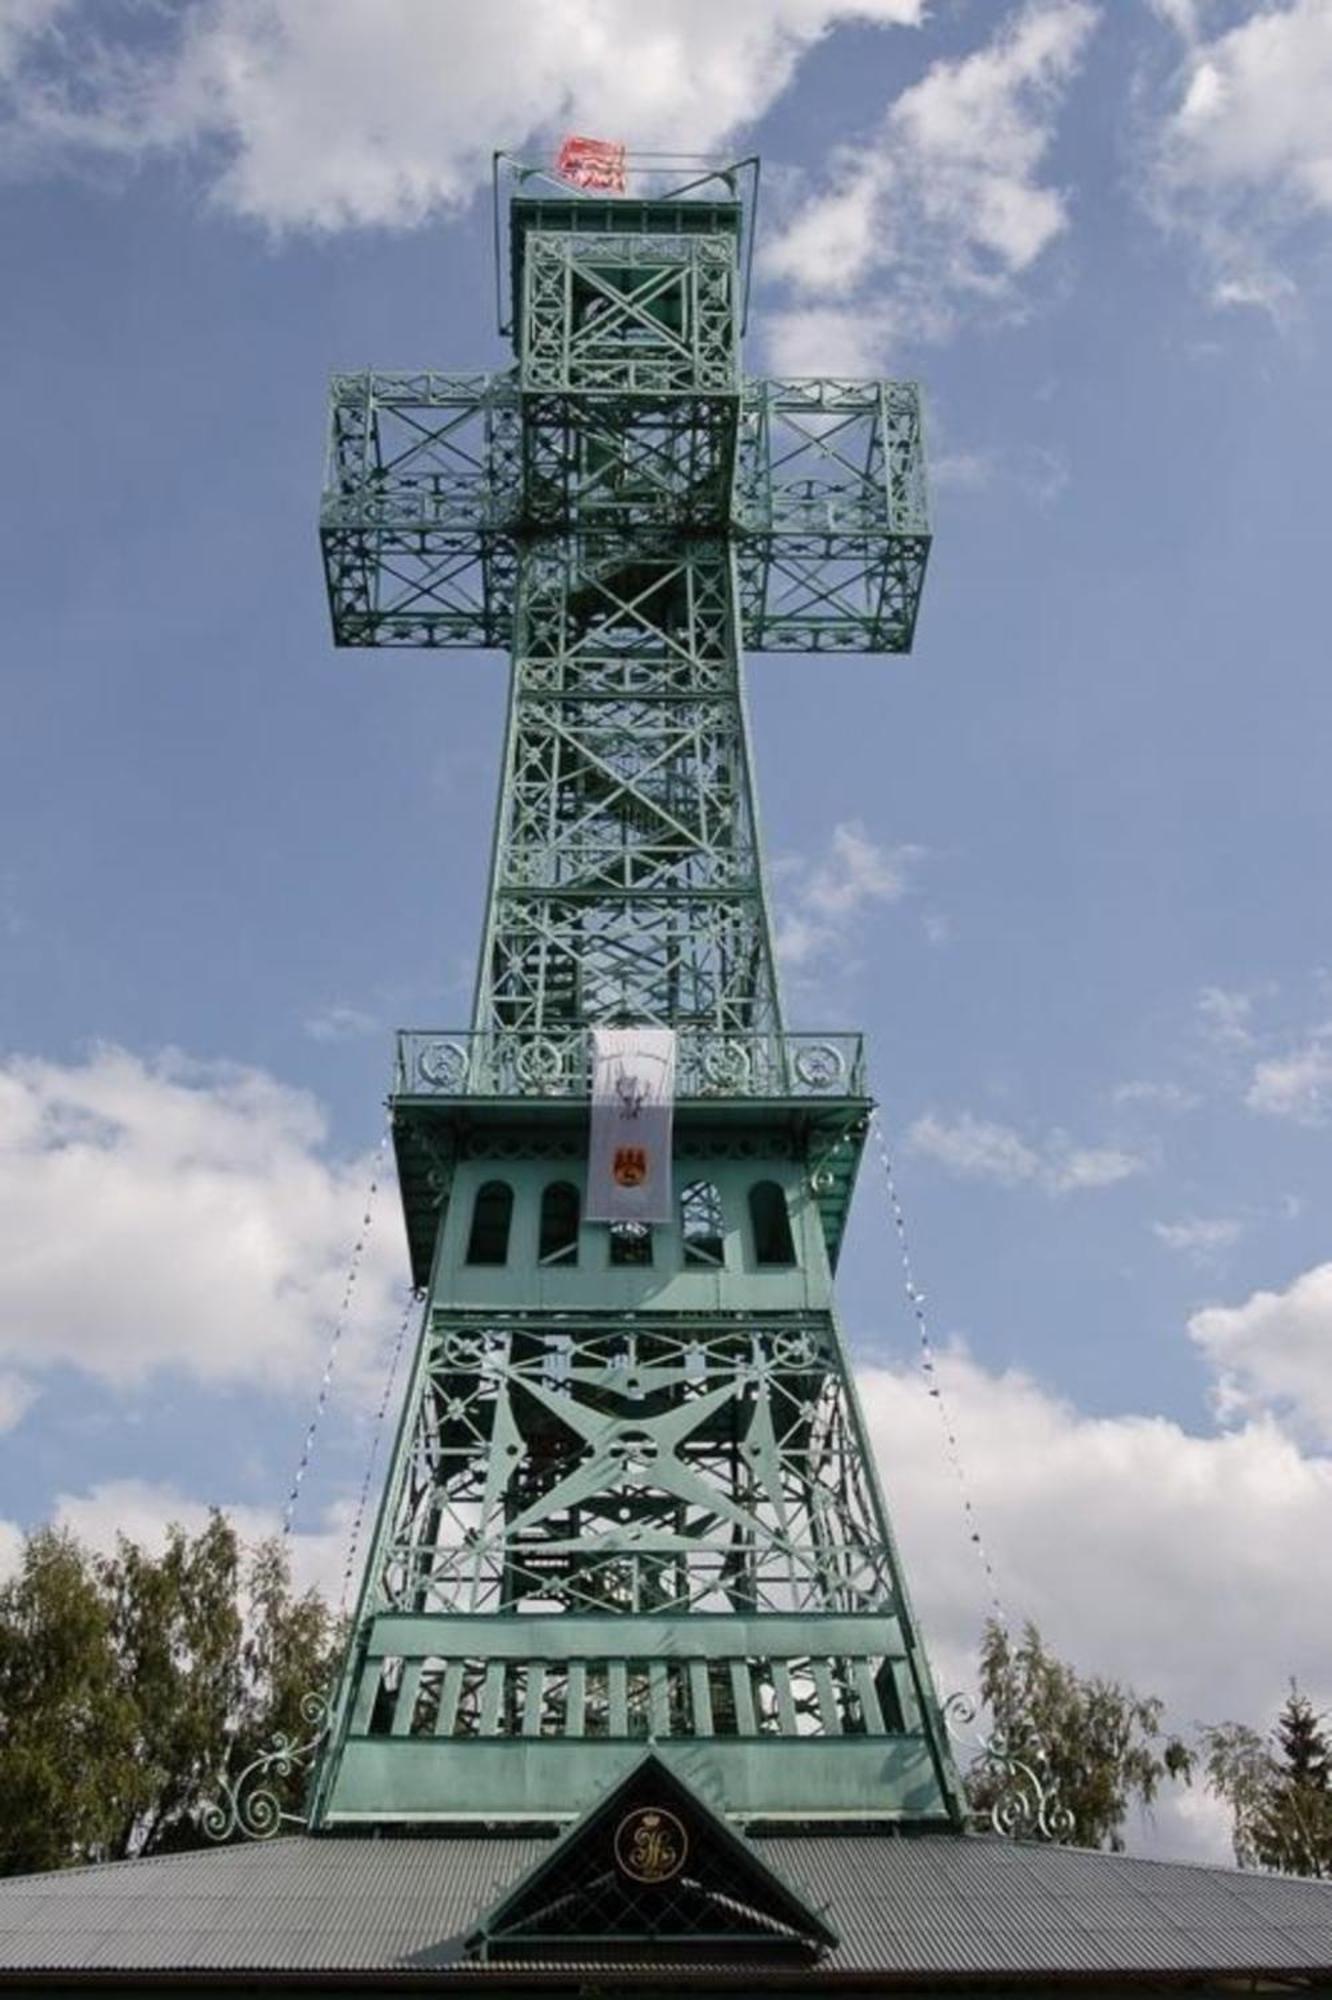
<point>903,1907</point>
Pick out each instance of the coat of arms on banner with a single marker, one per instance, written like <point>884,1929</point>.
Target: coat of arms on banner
<point>629,1167</point>
<point>633,1101</point>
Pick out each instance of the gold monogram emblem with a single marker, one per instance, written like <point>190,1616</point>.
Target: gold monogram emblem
<point>651,1844</point>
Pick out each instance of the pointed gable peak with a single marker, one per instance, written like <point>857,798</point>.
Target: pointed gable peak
<point>651,1865</point>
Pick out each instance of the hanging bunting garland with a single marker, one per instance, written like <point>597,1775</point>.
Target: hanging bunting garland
<point>930,1372</point>
<point>339,1328</point>
<point>363,1498</point>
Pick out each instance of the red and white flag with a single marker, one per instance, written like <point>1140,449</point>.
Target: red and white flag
<point>633,1107</point>
<point>596,164</point>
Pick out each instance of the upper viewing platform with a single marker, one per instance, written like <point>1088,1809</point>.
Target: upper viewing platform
<point>625,418</point>
<point>453,1086</point>
<point>662,195</point>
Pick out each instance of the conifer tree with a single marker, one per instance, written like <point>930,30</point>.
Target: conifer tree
<point>1278,1788</point>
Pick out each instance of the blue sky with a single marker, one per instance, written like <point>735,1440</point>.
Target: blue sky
<point>1065,865</point>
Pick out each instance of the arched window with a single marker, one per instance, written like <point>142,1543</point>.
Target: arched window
<point>771,1224</point>
<point>701,1224</point>
<point>558,1243</point>
<point>630,1243</point>
<point>492,1212</point>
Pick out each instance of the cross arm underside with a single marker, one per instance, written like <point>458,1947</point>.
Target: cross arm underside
<point>436,481</point>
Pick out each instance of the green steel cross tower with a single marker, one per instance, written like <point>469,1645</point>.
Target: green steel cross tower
<point>632,1502</point>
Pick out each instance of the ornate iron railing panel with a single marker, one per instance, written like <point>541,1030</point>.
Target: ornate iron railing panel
<point>555,1062</point>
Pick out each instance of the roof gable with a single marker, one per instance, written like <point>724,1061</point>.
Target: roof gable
<point>651,1864</point>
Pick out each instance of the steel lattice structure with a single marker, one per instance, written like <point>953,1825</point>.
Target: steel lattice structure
<point>632,1496</point>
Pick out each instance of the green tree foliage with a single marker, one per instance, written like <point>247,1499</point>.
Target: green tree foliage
<point>66,1714</point>
<point>130,1683</point>
<point>1278,1788</point>
<point>177,1632</point>
<point>1096,1745</point>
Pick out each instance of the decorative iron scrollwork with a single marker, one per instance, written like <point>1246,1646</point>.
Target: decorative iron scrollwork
<point>726,1066</point>
<point>1026,1804</point>
<point>250,1807</point>
<point>443,1064</point>
<point>541,1063</point>
<point>820,1066</point>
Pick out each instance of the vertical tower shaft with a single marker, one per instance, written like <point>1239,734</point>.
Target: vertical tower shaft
<point>626,881</point>
<point>632,1497</point>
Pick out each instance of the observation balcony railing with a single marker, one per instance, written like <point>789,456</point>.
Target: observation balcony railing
<point>556,1063</point>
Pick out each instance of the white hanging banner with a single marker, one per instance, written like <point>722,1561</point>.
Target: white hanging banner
<point>633,1104</point>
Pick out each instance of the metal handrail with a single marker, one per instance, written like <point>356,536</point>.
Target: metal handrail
<point>435,1062</point>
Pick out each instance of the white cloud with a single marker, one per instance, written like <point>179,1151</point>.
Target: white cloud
<point>829,339</point>
<point>975,1149</point>
<point>1159,1096</point>
<point>1199,1237</point>
<point>1041,473</point>
<point>1226,1016</point>
<point>944,208</point>
<point>1071,1168</point>
<point>857,871</point>
<point>1279,1070</point>
<point>1184,16</point>
<point>979,1149</point>
<point>798,941</point>
<point>1297,1086</point>
<point>21,22</point>
<point>143,1511</point>
<point>179,1215</point>
<point>1196,1567</point>
<point>382,111</point>
<point>11,1548</point>
<point>17,1396</point>
<point>1243,155</point>
<point>819,899</point>
<point>968,471</point>
<point>1274,1352</point>
<point>340,1023</point>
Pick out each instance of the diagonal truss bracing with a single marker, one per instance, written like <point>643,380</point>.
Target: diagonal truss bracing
<point>665,1466</point>
<point>626,878</point>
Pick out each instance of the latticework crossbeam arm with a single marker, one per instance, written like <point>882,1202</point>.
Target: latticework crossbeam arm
<point>436,481</point>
